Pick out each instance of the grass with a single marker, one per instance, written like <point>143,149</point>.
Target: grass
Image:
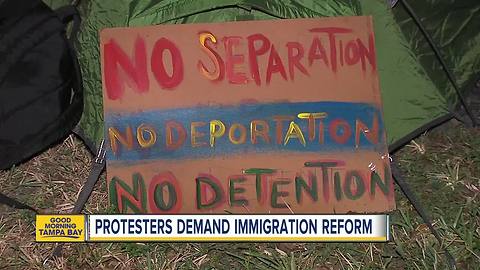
<point>443,167</point>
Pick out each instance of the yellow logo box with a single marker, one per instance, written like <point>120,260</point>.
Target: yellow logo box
<point>60,228</point>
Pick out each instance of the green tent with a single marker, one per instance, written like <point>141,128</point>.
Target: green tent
<point>416,89</point>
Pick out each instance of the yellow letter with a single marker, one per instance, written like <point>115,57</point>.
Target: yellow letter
<point>152,136</point>
<point>214,133</point>
<point>217,73</point>
<point>294,131</point>
<point>194,134</point>
<point>311,122</point>
<point>243,134</point>
<point>115,135</point>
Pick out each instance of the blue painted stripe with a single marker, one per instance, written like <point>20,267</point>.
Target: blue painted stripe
<point>243,114</point>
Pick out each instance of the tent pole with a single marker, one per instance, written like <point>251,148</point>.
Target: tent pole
<point>440,58</point>
<point>404,186</point>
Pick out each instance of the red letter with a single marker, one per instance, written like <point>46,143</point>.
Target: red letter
<point>351,53</point>
<point>369,53</point>
<point>346,131</point>
<point>331,31</point>
<point>254,132</point>
<point>232,60</point>
<point>137,76</point>
<point>254,53</point>
<point>275,65</point>
<point>294,59</point>
<point>158,68</point>
<point>370,133</point>
<point>312,53</point>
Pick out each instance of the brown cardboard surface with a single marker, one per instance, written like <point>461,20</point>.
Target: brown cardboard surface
<point>327,155</point>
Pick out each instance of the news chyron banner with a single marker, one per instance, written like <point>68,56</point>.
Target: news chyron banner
<point>212,228</point>
<point>60,228</point>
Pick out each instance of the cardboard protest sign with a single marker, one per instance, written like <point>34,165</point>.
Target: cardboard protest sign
<point>276,116</point>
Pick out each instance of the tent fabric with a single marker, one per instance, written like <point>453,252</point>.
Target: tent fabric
<point>415,92</point>
<point>410,98</point>
<point>455,28</point>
